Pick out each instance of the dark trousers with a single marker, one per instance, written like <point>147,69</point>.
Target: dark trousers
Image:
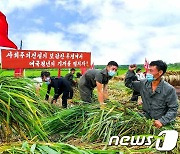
<point>67,94</point>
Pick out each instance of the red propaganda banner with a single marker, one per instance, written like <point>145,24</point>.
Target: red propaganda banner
<point>12,59</point>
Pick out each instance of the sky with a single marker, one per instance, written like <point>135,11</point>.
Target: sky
<point>126,31</point>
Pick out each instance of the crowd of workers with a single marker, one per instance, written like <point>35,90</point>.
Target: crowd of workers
<point>159,99</point>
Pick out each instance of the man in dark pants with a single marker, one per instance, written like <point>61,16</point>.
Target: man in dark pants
<point>69,77</point>
<point>159,99</point>
<point>60,85</point>
<point>97,78</point>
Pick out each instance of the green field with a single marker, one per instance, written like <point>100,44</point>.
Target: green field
<point>54,72</point>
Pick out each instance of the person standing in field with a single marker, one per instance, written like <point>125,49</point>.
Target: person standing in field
<point>78,75</point>
<point>97,78</point>
<point>159,99</point>
<point>139,76</point>
<point>70,77</point>
<point>60,85</point>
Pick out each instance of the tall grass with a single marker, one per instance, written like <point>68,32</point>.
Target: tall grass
<point>92,124</point>
<point>20,110</point>
<point>24,116</point>
<point>89,124</point>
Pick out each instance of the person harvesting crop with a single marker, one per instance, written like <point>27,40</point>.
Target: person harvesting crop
<point>60,85</point>
<point>70,77</point>
<point>159,97</point>
<point>97,78</point>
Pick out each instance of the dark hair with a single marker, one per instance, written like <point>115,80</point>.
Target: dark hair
<point>78,74</point>
<point>112,63</point>
<point>160,65</point>
<point>139,69</point>
<point>45,73</point>
<point>72,69</point>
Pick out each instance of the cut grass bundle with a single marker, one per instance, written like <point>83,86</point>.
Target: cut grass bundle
<point>20,110</point>
<point>66,123</point>
<point>93,124</point>
<point>89,124</point>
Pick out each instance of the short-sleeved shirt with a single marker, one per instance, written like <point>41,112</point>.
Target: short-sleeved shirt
<point>91,76</point>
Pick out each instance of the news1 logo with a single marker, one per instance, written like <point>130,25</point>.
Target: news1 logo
<point>169,142</point>
<point>166,144</point>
